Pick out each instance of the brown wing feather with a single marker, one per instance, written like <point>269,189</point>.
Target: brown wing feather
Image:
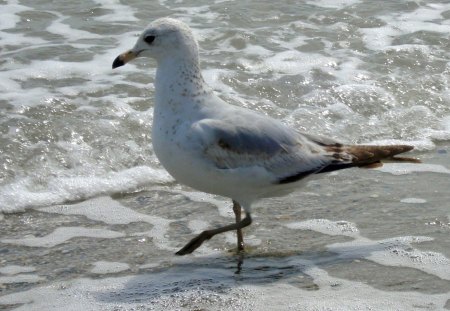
<point>370,156</point>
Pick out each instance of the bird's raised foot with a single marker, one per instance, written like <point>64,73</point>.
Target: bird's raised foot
<point>195,243</point>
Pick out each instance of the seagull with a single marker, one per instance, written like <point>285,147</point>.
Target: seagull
<point>226,150</point>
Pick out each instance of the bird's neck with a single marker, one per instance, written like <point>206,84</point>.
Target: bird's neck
<point>178,81</point>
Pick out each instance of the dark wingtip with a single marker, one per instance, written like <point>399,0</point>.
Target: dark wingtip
<point>118,62</point>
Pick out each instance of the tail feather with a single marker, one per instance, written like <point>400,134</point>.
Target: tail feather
<point>363,155</point>
<point>347,156</point>
<point>368,156</point>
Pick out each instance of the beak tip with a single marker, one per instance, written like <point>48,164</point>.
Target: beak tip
<point>118,62</point>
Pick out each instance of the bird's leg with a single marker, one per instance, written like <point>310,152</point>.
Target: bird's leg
<point>207,234</point>
<point>240,238</point>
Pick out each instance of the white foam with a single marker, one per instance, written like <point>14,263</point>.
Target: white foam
<point>106,267</point>
<point>109,211</point>
<point>334,4</point>
<point>14,269</point>
<point>422,19</point>
<point>224,205</point>
<point>19,274</point>
<point>380,37</point>
<point>205,11</point>
<point>326,226</point>
<point>98,69</point>
<point>106,210</point>
<point>255,50</point>
<point>288,61</point>
<point>8,14</point>
<point>408,168</point>
<point>61,235</point>
<point>396,251</point>
<point>293,62</point>
<point>17,39</point>
<point>413,200</point>
<point>446,121</point>
<point>198,225</point>
<point>20,195</point>
<point>339,294</point>
<point>119,12</point>
<point>59,27</point>
<point>214,289</point>
<point>21,278</point>
<point>152,265</point>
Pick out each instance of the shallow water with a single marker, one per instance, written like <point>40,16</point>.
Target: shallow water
<point>90,220</point>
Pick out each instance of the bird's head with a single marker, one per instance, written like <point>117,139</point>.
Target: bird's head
<point>165,37</point>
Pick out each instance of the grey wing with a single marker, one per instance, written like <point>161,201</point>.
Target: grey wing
<point>286,154</point>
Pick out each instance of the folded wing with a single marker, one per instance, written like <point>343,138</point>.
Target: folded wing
<point>285,154</point>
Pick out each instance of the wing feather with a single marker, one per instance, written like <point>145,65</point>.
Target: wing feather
<point>279,150</point>
<point>250,140</point>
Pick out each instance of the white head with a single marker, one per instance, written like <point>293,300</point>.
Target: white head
<point>165,37</point>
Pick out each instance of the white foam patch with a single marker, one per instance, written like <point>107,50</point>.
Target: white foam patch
<point>216,77</point>
<point>326,226</point>
<point>214,289</point>
<point>106,267</point>
<point>14,269</point>
<point>446,121</point>
<point>21,278</point>
<point>333,4</point>
<point>289,62</point>
<point>413,200</point>
<point>190,11</point>
<point>408,168</point>
<point>224,205</point>
<point>20,195</point>
<point>422,19</point>
<point>119,12</point>
<point>8,14</point>
<point>379,38</point>
<point>63,234</point>
<point>106,210</point>
<point>396,252</point>
<point>53,69</point>
<point>19,274</point>
<point>109,211</point>
<point>15,39</point>
<point>339,294</point>
<point>58,27</point>
<point>197,225</point>
<point>389,252</point>
<point>98,69</point>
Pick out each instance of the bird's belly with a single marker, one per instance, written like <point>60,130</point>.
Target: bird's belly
<point>183,164</point>
<point>192,168</point>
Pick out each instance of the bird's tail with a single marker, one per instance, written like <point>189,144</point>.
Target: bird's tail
<point>365,156</point>
<point>347,156</point>
<point>372,156</point>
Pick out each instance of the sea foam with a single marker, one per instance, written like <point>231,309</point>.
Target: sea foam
<point>20,195</point>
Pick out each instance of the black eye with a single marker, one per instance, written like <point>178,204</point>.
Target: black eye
<point>149,39</point>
